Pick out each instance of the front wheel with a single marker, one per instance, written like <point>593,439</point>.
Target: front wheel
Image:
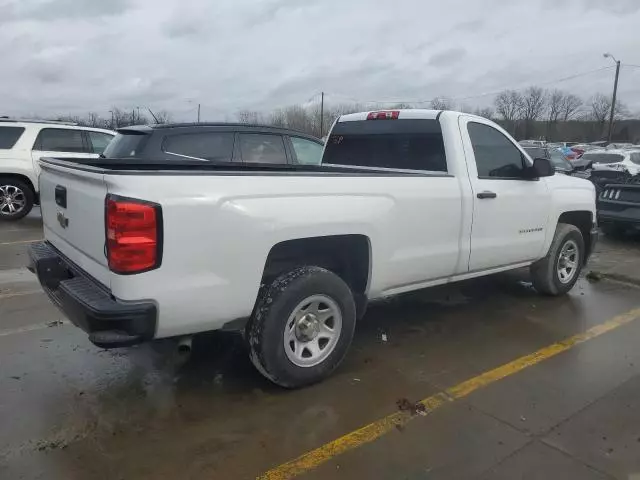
<point>558,272</point>
<point>302,326</point>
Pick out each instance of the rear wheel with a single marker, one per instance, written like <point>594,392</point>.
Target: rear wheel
<point>16,199</point>
<point>302,326</point>
<point>558,272</point>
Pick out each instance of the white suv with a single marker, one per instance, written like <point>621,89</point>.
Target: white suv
<point>617,160</point>
<point>23,142</point>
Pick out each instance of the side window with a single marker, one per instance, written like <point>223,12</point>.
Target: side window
<point>9,136</point>
<point>262,148</point>
<point>496,156</point>
<point>99,141</point>
<point>307,152</point>
<point>214,146</point>
<point>635,158</point>
<point>60,140</point>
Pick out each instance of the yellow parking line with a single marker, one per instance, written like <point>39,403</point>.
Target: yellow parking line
<point>19,242</point>
<point>377,429</point>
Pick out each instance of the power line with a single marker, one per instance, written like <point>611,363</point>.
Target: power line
<point>486,94</point>
<point>551,82</point>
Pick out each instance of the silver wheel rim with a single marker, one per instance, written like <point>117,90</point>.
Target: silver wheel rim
<point>12,200</point>
<point>568,261</point>
<point>312,331</point>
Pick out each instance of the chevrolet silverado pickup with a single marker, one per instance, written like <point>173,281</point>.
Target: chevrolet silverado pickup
<point>291,253</point>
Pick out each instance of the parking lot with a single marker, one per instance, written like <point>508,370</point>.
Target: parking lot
<point>511,385</point>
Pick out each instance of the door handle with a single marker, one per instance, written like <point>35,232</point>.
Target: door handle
<point>487,194</point>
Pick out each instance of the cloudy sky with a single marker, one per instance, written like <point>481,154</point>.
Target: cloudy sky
<point>74,56</point>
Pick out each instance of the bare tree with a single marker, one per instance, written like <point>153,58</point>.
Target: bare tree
<point>486,112</point>
<point>569,107</point>
<point>441,103</point>
<point>534,103</point>
<point>250,117</point>
<point>555,102</point>
<point>600,107</point>
<point>401,106</point>
<point>277,118</point>
<point>298,118</point>
<point>508,105</point>
<point>163,117</point>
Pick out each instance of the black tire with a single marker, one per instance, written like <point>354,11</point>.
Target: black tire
<point>27,194</point>
<point>276,303</point>
<point>544,272</point>
<point>613,230</point>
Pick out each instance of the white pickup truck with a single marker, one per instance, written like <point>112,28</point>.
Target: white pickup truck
<point>403,200</point>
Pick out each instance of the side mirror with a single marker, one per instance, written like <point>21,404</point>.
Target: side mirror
<point>542,167</point>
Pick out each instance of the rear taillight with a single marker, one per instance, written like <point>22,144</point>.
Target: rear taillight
<point>386,115</point>
<point>134,235</point>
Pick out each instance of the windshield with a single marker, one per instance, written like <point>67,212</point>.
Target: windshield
<point>603,157</point>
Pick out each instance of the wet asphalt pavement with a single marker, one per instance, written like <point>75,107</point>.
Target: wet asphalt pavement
<point>69,410</point>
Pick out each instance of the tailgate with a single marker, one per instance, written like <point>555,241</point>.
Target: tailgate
<point>73,209</point>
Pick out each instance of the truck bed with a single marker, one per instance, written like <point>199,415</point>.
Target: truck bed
<point>128,166</point>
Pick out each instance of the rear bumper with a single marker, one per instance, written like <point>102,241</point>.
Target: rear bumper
<point>109,322</point>
<point>618,212</point>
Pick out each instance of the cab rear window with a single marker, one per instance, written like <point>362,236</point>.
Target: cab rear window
<point>411,144</point>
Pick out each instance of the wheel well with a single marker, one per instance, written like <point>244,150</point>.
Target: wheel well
<point>23,178</point>
<point>584,221</point>
<point>345,255</point>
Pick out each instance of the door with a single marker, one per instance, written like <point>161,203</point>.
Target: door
<point>509,211</point>
<point>60,143</point>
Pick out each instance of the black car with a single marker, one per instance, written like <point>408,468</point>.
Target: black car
<point>619,207</point>
<point>215,142</point>
<point>556,157</point>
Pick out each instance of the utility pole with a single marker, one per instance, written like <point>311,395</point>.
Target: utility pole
<point>198,113</point>
<point>112,119</point>
<point>321,114</point>
<point>613,100</point>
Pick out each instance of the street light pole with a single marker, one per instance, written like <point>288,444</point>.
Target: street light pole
<point>615,94</point>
